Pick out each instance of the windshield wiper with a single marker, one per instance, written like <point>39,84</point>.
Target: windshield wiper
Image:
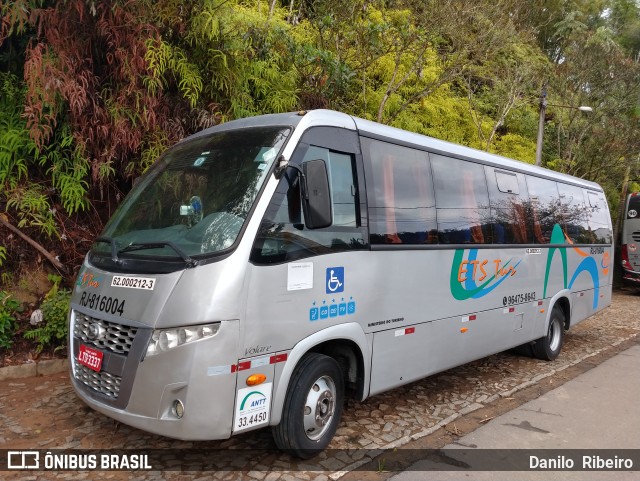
<point>139,246</point>
<point>114,247</point>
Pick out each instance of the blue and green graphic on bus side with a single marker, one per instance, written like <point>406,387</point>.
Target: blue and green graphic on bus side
<point>472,278</point>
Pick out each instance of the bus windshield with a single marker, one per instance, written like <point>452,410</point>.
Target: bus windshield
<point>634,206</point>
<point>195,199</point>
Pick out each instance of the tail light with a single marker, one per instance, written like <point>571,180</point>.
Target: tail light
<point>625,258</point>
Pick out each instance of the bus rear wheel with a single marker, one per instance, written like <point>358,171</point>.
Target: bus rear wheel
<point>312,408</point>
<point>549,346</point>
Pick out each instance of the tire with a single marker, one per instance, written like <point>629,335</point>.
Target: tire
<point>548,347</point>
<point>312,408</point>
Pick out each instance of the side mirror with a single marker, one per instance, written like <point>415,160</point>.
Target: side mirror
<point>316,198</point>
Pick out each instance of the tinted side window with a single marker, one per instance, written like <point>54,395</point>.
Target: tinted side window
<point>401,202</point>
<point>341,183</point>
<point>283,236</point>
<point>462,201</point>
<point>507,182</point>
<point>599,218</point>
<point>573,214</point>
<point>510,209</point>
<point>545,207</point>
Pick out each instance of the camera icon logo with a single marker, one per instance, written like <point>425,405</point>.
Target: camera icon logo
<point>23,460</point>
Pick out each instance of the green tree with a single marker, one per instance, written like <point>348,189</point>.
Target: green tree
<point>94,90</point>
<point>623,17</point>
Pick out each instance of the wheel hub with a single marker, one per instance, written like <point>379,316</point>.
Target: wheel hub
<point>324,408</point>
<point>319,407</point>
<point>554,335</point>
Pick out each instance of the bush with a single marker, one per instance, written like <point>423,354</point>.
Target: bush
<point>8,308</point>
<point>55,309</point>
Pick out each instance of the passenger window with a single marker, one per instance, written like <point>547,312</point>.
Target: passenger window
<point>343,190</point>
<point>545,207</point>
<point>573,214</point>
<point>283,236</point>
<point>510,209</point>
<point>462,201</point>
<point>599,219</point>
<point>507,182</point>
<point>598,208</point>
<point>401,202</point>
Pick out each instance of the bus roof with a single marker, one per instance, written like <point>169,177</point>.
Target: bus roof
<point>323,117</point>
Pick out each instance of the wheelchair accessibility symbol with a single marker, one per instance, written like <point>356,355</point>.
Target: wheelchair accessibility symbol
<point>335,279</point>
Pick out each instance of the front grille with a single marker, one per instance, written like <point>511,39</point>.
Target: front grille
<point>636,236</point>
<point>113,337</point>
<point>102,382</point>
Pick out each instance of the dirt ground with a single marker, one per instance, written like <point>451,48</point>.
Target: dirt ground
<point>30,291</point>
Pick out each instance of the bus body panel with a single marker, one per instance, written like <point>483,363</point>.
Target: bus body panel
<point>279,310</point>
<point>430,330</point>
<point>395,302</point>
<point>634,259</point>
<point>93,290</point>
<point>209,293</point>
<point>404,355</point>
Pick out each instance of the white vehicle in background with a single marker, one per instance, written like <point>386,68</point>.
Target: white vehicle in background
<point>266,268</point>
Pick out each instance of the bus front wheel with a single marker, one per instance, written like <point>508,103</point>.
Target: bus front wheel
<point>312,408</point>
<point>548,347</point>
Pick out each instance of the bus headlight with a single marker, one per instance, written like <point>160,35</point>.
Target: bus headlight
<point>164,339</point>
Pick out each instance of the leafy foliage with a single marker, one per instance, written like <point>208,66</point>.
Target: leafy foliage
<point>161,58</point>
<point>20,158</point>
<point>92,92</point>
<point>55,309</point>
<point>16,146</point>
<point>33,208</point>
<point>516,147</point>
<point>249,67</point>
<point>8,308</point>
<point>68,171</point>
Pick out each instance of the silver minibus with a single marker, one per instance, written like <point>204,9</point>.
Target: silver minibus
<point>265,269</point>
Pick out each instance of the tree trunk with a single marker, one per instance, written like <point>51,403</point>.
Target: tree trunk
<point>272,8</point>
<point>56,263</point>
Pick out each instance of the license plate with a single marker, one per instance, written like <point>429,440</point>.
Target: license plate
<point>92,358</point>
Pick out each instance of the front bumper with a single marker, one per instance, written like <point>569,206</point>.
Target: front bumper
<point>147,388</point>
<point>631,277</point>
